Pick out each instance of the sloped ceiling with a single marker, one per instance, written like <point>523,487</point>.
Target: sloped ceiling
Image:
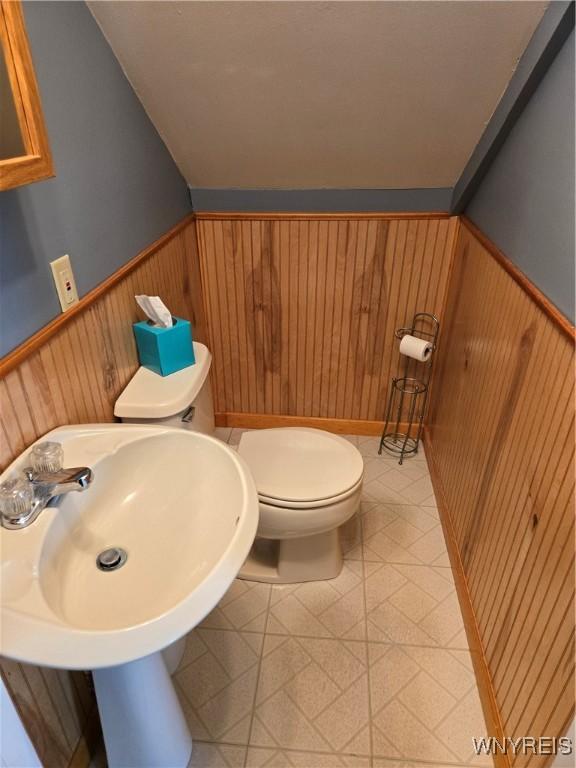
<point>319,94</point>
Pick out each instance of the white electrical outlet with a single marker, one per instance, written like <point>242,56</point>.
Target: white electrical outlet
<point>65,283</point>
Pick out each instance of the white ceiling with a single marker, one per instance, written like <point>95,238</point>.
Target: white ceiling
<point>319,94</point>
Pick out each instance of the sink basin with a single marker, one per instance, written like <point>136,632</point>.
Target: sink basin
<point>184,509</point>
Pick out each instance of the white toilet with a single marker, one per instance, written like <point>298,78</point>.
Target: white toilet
<point>309,484</point>
<point>308,481</point>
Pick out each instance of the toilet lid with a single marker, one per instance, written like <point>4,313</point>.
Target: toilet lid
<point>297,464</point>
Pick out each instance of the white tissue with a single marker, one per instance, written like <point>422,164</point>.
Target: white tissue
<point>419,349</point>
<point>155,309</point>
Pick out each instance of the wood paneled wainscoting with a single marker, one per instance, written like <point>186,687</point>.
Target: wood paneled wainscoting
<point>501,437</point>
<point>71,372</point>
<point>302,308</point>
<point>299,312</point>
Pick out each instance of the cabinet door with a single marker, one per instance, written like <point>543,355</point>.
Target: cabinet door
<point>24,150</point>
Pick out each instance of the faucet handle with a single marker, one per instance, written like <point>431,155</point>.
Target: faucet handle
<point>47,456</point>
<point>16,499</point>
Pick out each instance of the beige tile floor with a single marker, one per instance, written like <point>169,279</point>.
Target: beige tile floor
<point>368,670</point>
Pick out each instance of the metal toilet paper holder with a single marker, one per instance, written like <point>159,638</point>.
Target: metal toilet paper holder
<point>409,393</point>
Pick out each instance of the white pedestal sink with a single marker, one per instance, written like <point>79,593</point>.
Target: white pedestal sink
<point>139,698</point>
<point>183,508</point>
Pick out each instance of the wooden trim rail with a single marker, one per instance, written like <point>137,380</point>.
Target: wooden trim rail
<point>24,350</point>
<point>20,353</point>
<point>307,216</point>
<point>523,281</point>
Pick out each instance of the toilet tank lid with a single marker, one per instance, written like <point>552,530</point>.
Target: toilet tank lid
<point>151,396</point>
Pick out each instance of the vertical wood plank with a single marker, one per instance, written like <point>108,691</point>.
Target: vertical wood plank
<point>502,434</point>
<point>302,312</point>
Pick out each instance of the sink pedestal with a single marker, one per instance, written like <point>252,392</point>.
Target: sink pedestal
<point>173,654</point>
<point>142,720</point>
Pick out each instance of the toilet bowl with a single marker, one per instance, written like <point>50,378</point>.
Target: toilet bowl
<point>308,481</point>
<point>309,484</point>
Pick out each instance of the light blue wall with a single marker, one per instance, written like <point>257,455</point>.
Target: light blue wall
<point>525,203</point>
<point>116,188</point>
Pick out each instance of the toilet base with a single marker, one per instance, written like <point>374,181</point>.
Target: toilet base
<point>291,561</point>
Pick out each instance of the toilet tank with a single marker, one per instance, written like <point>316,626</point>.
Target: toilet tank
<point>182,399</point>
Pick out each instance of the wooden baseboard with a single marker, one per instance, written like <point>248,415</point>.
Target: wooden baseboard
<point>268,421</point>
<point>485,688</point>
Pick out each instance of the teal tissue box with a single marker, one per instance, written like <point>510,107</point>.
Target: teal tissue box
<point>165,350</point>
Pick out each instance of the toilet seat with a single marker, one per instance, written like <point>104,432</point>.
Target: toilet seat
<point>301,468</point>
<point>288,504</point>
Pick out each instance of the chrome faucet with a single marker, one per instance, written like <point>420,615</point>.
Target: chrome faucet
<point>23,498</point>
<point>51,484</point>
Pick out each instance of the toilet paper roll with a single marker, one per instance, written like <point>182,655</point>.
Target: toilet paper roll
<point>418,349</point>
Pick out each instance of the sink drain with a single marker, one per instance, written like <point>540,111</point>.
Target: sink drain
<point>111,559</point>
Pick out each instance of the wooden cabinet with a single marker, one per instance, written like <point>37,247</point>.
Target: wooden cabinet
<point>24,149</point>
